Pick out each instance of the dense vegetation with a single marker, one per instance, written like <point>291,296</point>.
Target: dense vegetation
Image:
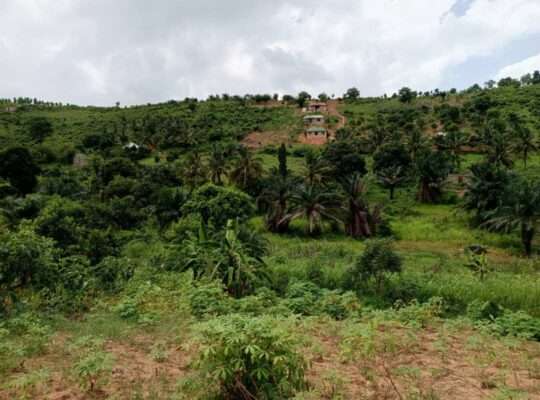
<point>149,239</point>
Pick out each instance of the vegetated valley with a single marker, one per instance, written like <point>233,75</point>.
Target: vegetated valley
<point>228,249</point>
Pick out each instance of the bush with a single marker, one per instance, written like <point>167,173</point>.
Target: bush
<point>249,358</point>
<point>374,265</point>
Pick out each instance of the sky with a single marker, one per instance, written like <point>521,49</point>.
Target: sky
<point>98,52</point>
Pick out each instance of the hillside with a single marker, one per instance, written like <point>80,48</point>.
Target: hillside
<point>145,253</point>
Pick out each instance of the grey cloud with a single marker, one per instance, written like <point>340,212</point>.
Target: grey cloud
<point>136,51</point>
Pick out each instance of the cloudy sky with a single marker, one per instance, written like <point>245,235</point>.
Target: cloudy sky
<point>139,51</point>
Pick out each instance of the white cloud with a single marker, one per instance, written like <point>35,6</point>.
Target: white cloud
<point>136,51</point>
<point>521,68</point>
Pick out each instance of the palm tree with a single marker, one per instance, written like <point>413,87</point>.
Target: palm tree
<point>519,211</point>
<point>217,165</point>
<point>315,169</point>
<point>193,170</point>
<point>497,139</point>
<point>360,221</point>
<point>415,142</point>
<point>246,170</point>
<point>453,143</point>
<point>525,143</point>
<point>315,204</point>
<point>275,197</point>
<point>391,178</point>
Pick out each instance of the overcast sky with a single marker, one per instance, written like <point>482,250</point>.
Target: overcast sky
<point>138,51</point>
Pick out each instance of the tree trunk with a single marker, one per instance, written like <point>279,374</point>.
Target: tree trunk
<point>527,235</point>
<point>392,189</point>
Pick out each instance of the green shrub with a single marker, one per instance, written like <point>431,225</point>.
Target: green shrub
<point>208,298</point>
<point>519,324</point>
<point>374,265</point>
<point>248,358</point>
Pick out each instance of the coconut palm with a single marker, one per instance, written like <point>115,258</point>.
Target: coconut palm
<point>315,204</point>
<point>453,142</point>
<point>497,139</point>
<point>519,211</point>
<point>360,220</point>
<point>247,169</point>
<point>193,170</point>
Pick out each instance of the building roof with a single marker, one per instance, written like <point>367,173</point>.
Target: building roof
<point>316,129</point>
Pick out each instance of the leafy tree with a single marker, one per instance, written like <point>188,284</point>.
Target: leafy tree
<point>303,98</point>
<point>360,220</point>
<point>323,97</point>
<point>352,94</point>
<point>345,158</point>
<point>432,169</point>
<point>375,264</point>
<point>39,128</point>
<point>19,168</point>
<point>392,164</point>
<point>406,95</point>
<point>247,170</point>
<point>216,205</point>
<point>315,204</point>
<point>520,210</point>
<point>26,258</point>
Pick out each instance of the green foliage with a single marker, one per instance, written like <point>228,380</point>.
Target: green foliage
<point>247,358</point>
<point>93,369</point>
<point>19,168</point>
<point>25,259</point>
<point>39,128</point>
<point>374,265</point>
<point>216,205</point>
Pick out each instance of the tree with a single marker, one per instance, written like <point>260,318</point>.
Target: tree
<point>415,142</point>
<point>315,168</point>
<point>520,210</point>
<point>345,158</point>
<point>19,168</point>
<point>303,98</point>
<point>217,165</point>
<point>497,139</point>
<point>25,259</point>
<point>323,97</point>
<point>406,95</point>
<point>247,170</point>
<point>485,190</point>
<point>282,160</point>
<point>523,137</point>
<point>391,165</point>
<point>315,204</point>
<point>374,265</point>
<point>352,94</point>
<point>452,143</point>
<point>360,221</point>
<point>39,128</point>
<point>217,204</point>
<point>193,170</point>
<point>275,198</point>
<point>432,169</point>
